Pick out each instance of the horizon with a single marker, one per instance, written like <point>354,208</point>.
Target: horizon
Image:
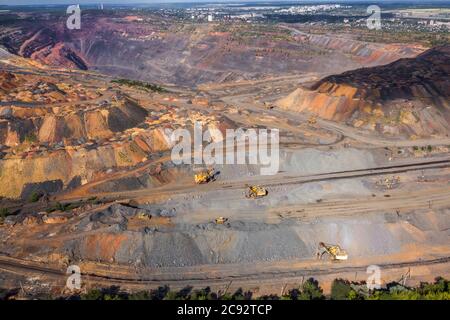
<point>159,2</point>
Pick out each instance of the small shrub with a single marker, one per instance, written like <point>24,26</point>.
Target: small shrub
<point>141,295</point>
<point>30,138</point>
<point>35,196</point>
<point>3,214</point>
<point>203,294</point>
<point>93,294</point>
<point>140,84</point>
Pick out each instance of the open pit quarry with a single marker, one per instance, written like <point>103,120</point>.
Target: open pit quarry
<point>192,54</point>
<point>87,177</point>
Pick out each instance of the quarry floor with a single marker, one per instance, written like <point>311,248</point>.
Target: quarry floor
<point>327,189</point>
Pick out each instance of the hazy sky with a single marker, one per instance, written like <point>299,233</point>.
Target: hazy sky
<point>36,2</point>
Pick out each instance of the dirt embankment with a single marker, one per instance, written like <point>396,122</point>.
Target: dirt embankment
<point>53,125</point>
<point>409,96</point>
<point>148,237</point>
<point>367,54</point>
<point>74,166</point>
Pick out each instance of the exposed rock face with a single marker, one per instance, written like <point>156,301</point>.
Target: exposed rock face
<point>409,95</point>
<point>189,57</point>
<point>108,235</point>
<point>52,125</point>
<point>363,52</point>
<point>83,162</point>
<point>61,132</point>
<point>44,45</point>
<point>7,81</point>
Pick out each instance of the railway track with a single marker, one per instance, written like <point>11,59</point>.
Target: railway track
<point>203,277</point>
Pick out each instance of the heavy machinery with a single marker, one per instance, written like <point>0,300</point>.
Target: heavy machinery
<point>143,215</point>
<point>269,106</point>
<point>389,183</point>
<point>256,192</point>
<point>204,176</point>
<point>312,120</point>
<point>220,220</point>
<point>334,251</point>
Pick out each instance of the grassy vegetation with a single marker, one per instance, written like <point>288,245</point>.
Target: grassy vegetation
<point>4,212</point>
<point>34,196</point>
<point>438,290</point>
<point>30,138</point>
<point>62,207</point>
<point>309,290</point>
<point>392,36</point>
<point>58,206</point>
<point>140,85</point>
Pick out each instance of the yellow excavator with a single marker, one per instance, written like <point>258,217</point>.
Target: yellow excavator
<point>335,252</point>
<point>256,192</point>
<point>220,220</point>
<point>312,120</point>
<point>204,176</point>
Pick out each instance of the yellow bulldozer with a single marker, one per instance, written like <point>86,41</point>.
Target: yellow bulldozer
<point>256,192</point>
<point>204,176</point>
<point>335,252</point>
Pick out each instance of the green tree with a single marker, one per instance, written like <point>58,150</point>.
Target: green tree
<point>3,214</point>
<point>93,294</point>
<point>340,289</point>
<point>311,290</point>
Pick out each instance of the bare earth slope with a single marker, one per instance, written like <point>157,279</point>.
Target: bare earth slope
<point>407,96</point>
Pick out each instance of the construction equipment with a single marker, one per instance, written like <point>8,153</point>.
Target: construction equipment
<point>312,120</point>
<point>268,105</point>
<point>389,183</point>
<point>334,251</point>
<point>256,192</point>
<point>221,220</point>
<point>204,176</point>
<point>143,215</point>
